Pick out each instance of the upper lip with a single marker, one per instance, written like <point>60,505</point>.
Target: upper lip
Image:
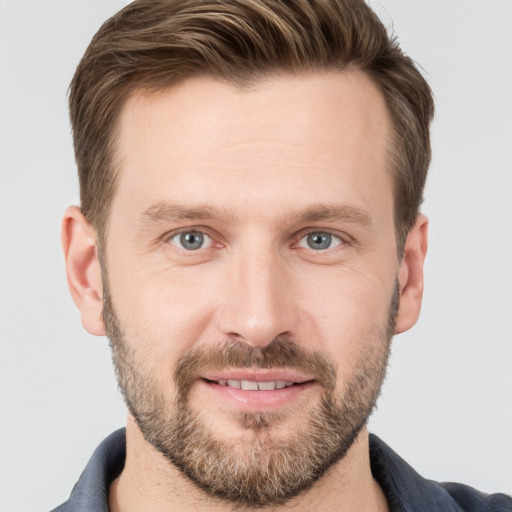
<point>258,375</point>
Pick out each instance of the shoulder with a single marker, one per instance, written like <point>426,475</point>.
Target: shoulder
<point>471,500</point>
<point>407,491</point>
<point>91,491</point>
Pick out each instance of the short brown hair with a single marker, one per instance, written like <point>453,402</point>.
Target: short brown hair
<point>153,44</point>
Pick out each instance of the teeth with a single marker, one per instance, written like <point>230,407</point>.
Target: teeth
<point>250,385</point>
<point>266,386</point>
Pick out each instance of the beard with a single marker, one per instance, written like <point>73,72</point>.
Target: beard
<point>264,468</point>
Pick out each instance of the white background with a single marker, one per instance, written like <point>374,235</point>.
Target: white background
<point>447,403</point>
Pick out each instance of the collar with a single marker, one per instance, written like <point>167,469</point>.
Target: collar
<point>403,487</point>
<point>90,493</point>
<point>405,490</point>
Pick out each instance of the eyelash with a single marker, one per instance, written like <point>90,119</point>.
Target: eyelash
<point>199,230</point>
<point>333,236</point>
<point>342,239</point>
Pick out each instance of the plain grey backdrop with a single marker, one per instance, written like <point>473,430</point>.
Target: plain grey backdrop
<point>447,402</point>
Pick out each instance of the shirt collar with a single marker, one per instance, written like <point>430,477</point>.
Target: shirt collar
<point>404,489</point>
<point>91,491</point>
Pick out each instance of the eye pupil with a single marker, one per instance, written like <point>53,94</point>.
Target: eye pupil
<point>191,240</point>
<point>319,241</point>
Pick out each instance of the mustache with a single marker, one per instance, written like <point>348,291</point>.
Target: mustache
<point>280,353</point>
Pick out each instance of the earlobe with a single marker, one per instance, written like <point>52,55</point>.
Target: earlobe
<point>83,269</point>
<point>410,275</point>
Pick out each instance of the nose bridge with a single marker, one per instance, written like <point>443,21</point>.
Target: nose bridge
<point>257,305</point>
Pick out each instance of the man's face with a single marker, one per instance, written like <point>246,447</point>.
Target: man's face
<point>252,275</point>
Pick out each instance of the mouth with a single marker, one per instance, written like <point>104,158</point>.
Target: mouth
<point>257,391</point>
<point>252,385</point>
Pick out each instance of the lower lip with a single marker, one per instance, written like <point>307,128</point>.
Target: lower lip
<point>259,401</point>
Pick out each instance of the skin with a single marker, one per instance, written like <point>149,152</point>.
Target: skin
<point>260,157</point>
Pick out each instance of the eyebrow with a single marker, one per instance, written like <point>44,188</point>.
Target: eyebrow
<point>333,213</point>
<point>171,212</point>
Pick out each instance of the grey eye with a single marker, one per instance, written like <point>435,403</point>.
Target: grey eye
<point>190,240</point>
<point>319,241</point>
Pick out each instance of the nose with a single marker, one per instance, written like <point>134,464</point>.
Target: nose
<point>256,302</point>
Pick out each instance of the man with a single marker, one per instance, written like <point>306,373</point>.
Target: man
<point>249,239</point>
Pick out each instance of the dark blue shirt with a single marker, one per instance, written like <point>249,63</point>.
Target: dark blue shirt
<point>405,490</point>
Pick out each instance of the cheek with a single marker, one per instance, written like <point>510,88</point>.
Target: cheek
<point>345,310</point>
<point>162,312</point>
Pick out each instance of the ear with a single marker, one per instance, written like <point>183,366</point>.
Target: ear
<point>83,269</point>
<point>410,275</point>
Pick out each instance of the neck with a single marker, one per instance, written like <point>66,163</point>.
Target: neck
<point>150,482</point>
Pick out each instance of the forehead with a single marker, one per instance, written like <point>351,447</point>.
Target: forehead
<point>205,140</point>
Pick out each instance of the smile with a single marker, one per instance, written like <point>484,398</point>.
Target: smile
<point>256,389</point>
<point>250,385</point>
